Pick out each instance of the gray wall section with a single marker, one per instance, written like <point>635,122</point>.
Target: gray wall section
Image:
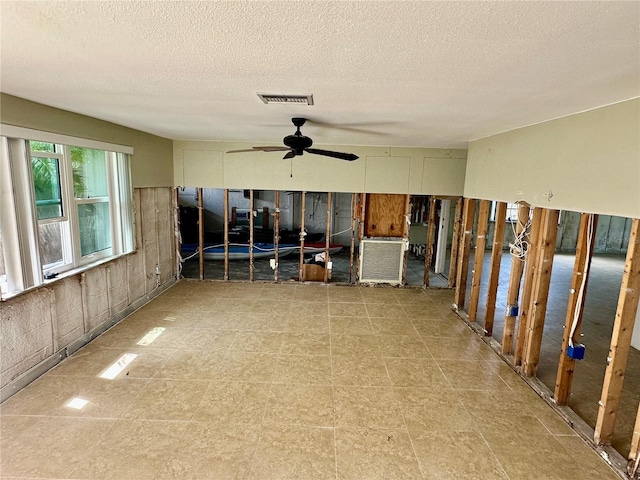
<point>38,325</point>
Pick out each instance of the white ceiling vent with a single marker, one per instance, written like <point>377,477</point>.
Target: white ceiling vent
<point>283,98</point>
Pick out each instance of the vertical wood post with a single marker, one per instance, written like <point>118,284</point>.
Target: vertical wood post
<point>363,203</point>
<point>327,238</point>
<point>455,243</point>
<point>500,220</point>
<point>634,452</point>
<point>276,235</point>
<point>226,234</point>
<point>513,291</point>
<point>177,237</point>
<point>527,287</point>
<point>620,340</point>
<point>353,235</point>
<point>478,258</point>
<point>428,250</point>
<point>201,233</point>
<point>303,201</point>
<point>538,306</point>
<point>251,226</point>
<point>464,251</point>
<point>577,297</point>
<point>405,236</point>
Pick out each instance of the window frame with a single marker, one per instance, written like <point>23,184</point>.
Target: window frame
<point>19,223</point>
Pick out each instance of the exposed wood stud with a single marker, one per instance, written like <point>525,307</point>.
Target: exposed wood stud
<point>513,291</point>
<point>251,226</point>
<point>327,237</point>
<point>201,233</point>
<point>362,208</point>
<point>303,200</point>
<point>478,258</point>
<point>634,452</point>
<point>406,223</point>
<point>464,251</point>
<point>455,243</point>
<point>620,340</point>
<point>226,234</point>
<point>429,247</point>
<point>177,238</point>
<point>276,235</point>
<point>494,272</point>
<point>538,306</point>
<point>354,209</point>
<point>577,297</point>
<point>527,287</point>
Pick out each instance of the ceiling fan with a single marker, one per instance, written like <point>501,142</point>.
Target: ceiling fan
<point>297,144</point>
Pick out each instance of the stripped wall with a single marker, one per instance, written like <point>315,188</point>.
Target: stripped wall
<point>40,327</point>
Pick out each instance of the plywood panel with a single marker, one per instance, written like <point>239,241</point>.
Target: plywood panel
<point>387,174</point>
<point>385,215</point>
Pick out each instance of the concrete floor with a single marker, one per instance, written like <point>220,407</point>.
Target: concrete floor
<point>263,381</point>
<point>600,308</point>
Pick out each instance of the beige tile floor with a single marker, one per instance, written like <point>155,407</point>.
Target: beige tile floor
<point>300,382</point>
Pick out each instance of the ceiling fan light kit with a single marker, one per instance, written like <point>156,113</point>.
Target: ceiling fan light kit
<point>298,144</point>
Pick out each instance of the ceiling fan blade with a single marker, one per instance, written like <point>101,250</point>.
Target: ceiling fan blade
<point>328,153</point>
<point>290,154</point>
<point>261,149</point>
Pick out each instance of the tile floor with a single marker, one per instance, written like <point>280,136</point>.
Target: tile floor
<point>266,381</point>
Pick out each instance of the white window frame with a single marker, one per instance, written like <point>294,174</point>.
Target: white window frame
<point>18,214</point>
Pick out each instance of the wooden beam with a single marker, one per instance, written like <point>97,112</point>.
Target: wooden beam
<point>513,291</point>
<point>538,306</point>
<point>406,223</point>
<point>577,297</point>
<point>352,246</point>
<point>276,235</point>
<point>226,234</point>
<point>431,233</point>
<point>464,252</point>
<point>500,221</point>
<point>478,258</point>
<point>327,238</point>
<point>251,226</point>
<point>303,201</point>
<point>455,243</point>
<point>201,233</point>
<point>634,452</point>
<point>362,208</point>
<point>527,287</point>
<point>620,340</point>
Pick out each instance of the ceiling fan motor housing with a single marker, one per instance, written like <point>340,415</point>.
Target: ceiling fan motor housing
<point>297,142</point>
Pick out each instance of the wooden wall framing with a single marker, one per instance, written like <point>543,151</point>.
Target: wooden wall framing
<point>478,258</point>
<point>464,251</point>
<point>500,219</point>
<point>620,340</point>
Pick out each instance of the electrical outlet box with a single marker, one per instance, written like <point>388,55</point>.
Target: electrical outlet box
<point>576,352</point>
<point>512,311</point>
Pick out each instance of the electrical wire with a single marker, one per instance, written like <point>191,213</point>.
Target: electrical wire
<point>520,245</point>
<point>583,283</point>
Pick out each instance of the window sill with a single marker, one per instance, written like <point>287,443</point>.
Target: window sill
<point>64,275</point>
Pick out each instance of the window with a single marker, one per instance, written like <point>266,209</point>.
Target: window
<point>70,206</point>
<point>512,212</point>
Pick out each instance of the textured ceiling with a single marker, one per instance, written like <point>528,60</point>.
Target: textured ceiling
<point>435,74</point>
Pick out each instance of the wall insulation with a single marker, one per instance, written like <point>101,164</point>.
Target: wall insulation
<point>39,328</point>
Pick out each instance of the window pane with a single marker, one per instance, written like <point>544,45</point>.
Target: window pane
<point>89,168</point>
<point>46,184</point>
<point>36,146</point>
<point>95,227</point>
<point>51,244</point>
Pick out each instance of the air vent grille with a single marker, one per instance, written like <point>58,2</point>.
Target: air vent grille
<point>381,261</point>
<point>277,98</point>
